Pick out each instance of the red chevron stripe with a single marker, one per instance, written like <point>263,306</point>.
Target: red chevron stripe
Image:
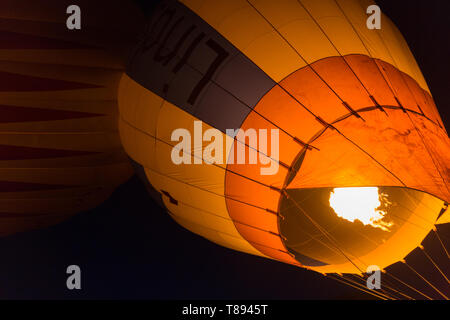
<point>26,114</point>
<point>13,40</point>
<point>10,186</point>
<point>19,82</point>
<point>8,152</point>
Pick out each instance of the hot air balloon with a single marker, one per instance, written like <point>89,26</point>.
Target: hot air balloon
<point>363,155</point>
<point>60,151</point>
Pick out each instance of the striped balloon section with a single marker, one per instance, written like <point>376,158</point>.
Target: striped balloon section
<point>60,151</point>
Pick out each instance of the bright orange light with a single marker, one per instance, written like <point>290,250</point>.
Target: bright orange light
<point>360,204</point>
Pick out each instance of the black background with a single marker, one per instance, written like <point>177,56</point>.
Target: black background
<point>130,248</point>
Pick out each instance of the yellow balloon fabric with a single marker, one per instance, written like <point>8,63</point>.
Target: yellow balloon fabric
<point>361,154</point>
<point>351,106</point>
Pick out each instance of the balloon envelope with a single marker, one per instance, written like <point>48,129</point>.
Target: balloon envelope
<point>351,107</point>
<point>60,151</point>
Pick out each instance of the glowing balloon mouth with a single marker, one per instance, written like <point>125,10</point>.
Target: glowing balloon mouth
<point>362,204</point>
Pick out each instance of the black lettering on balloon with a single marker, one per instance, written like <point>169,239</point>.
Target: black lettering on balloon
<point>153,37</point>
<point>165,59</point>
<point>222,54</point>
<point>157,36</point>
<point>188,52</point>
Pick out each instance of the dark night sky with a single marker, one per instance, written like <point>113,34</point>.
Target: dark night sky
<point>130,248</point>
